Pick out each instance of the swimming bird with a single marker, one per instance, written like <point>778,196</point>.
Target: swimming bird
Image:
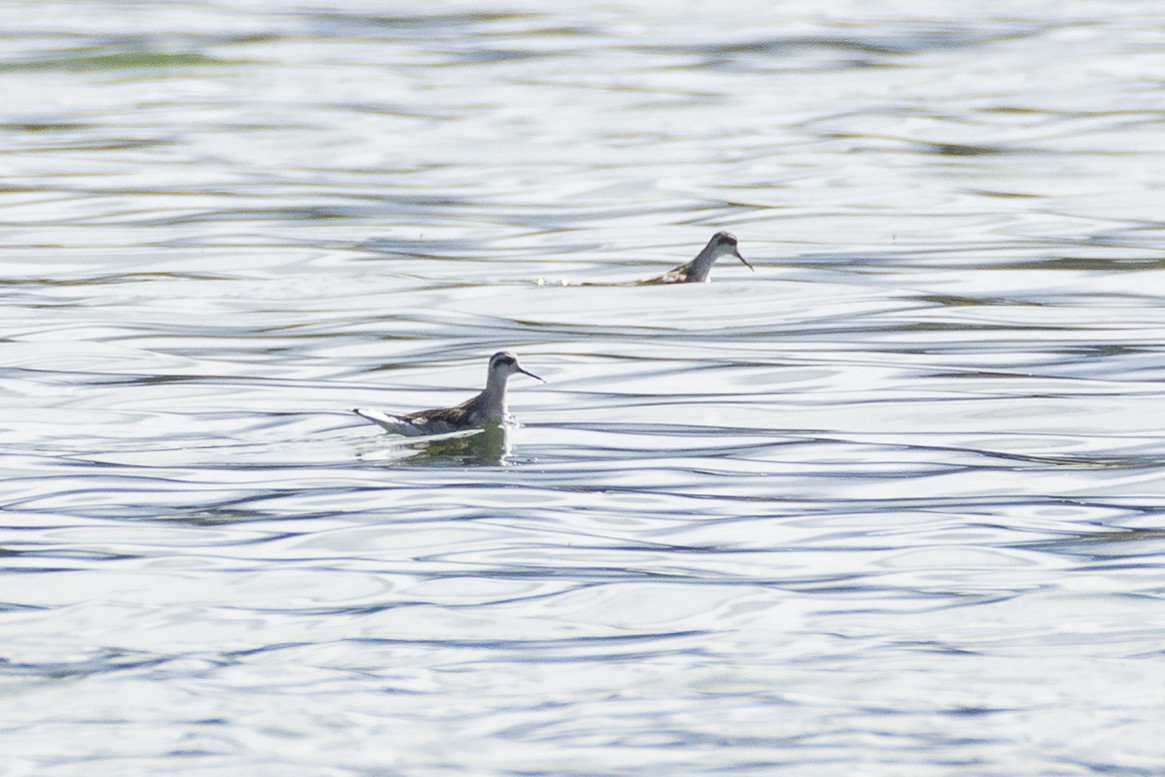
<point>487,408</point>
<point>696,271</point>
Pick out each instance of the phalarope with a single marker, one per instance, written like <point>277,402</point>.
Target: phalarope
<point>487,408</point>
<point>696,271</point>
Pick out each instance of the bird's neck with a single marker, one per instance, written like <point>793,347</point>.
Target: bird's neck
<point>702,264</point>
<point>493,399</point>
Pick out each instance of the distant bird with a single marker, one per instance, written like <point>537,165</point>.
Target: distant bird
<point>696,271</point>
<point>487,408</point>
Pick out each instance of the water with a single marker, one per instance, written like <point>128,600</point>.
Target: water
<point>890,505</point>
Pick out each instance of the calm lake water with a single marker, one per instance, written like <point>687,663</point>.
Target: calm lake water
<point>890,505</point>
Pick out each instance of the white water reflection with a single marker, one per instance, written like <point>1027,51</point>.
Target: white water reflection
<point>893,499</point>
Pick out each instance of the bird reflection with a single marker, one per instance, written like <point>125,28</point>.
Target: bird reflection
<point>488,446</point>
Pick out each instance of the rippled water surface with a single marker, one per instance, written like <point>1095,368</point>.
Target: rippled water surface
<point>890,505</point>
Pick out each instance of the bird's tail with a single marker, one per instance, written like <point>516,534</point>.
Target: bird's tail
<point>389,422</point>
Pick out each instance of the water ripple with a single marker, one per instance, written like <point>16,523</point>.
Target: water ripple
<point>892,498</point>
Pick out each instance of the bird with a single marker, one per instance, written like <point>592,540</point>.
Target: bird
<point>694,272</point>
<point>697,270</point>
<point>486,409</point>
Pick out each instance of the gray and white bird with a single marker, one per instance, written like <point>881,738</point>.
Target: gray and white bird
<point>487,408</point>
<point>696,271</point>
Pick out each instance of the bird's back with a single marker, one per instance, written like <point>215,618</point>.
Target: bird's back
<point>681,274</point>
<point>424,422</point>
